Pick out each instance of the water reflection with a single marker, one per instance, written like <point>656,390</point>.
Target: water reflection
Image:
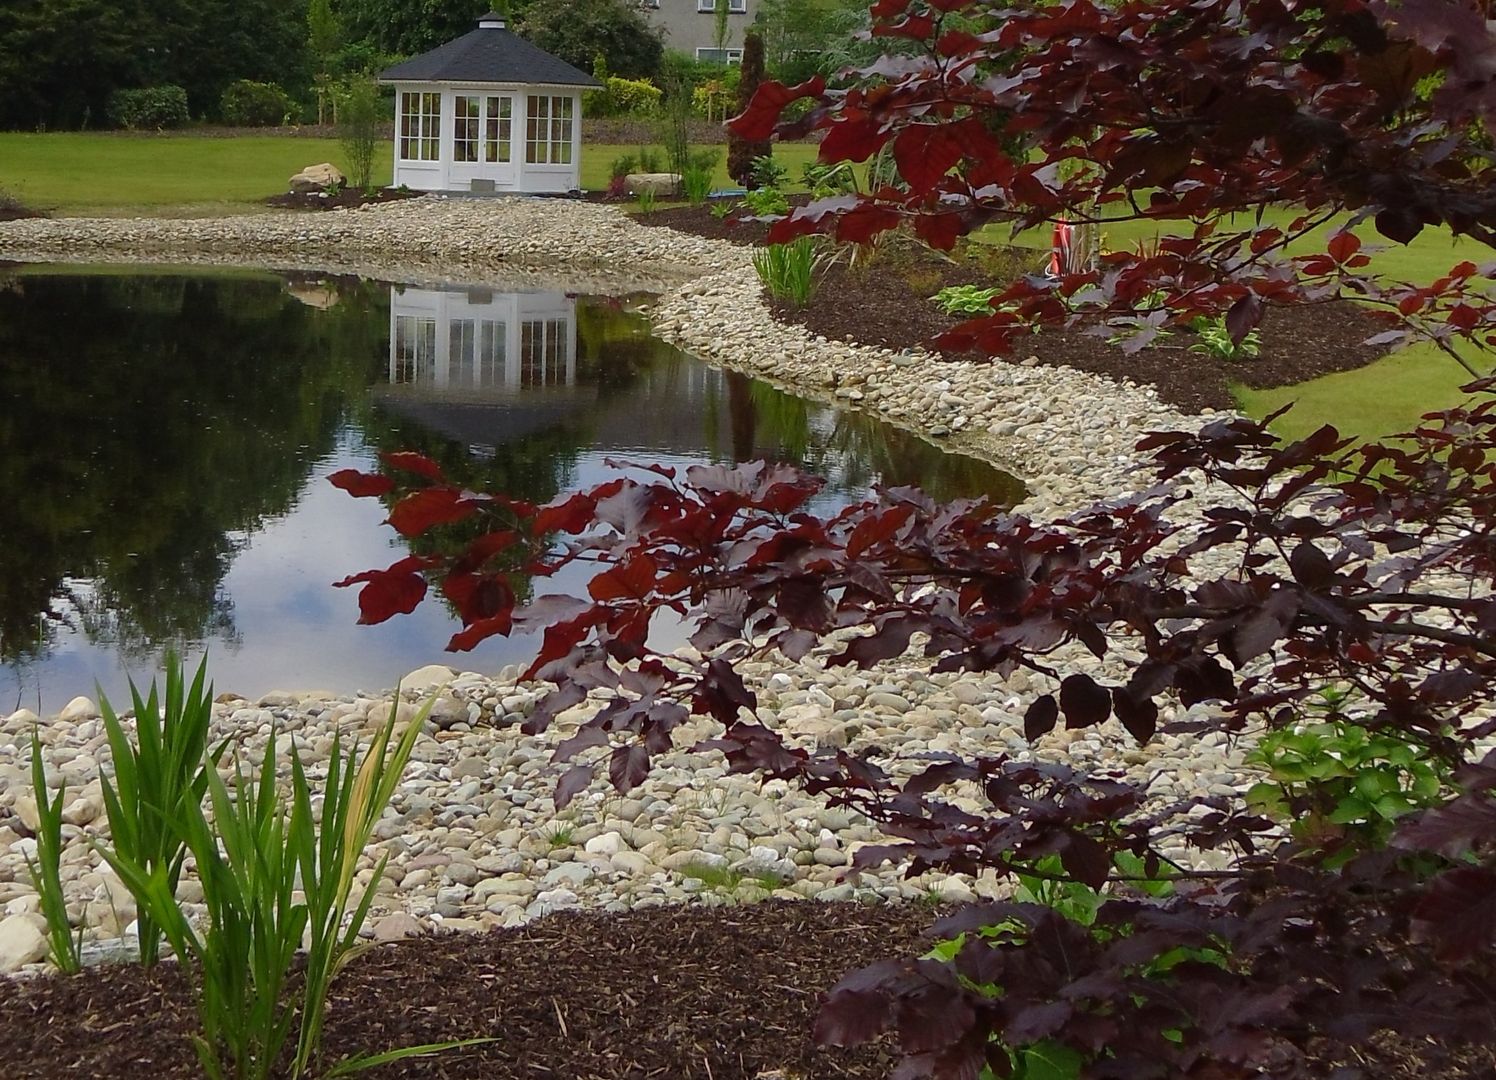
<point>166,436</point>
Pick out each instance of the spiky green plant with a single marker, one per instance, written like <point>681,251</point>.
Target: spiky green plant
<point>788,270</point>
<point>64,945</point>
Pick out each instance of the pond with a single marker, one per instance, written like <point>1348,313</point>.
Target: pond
<point>166,436</point>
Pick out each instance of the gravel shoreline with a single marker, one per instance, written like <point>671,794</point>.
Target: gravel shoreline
<point>473,837</point>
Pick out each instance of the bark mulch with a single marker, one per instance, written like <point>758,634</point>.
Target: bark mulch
<point>726,993</point>
<point>14,211</point>
<point>889,306</point>
<point>341,200</point>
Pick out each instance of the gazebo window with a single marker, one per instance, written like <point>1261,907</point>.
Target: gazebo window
<point>465,120</point>
<point>420,126</point>
<point>548,130</point>
<point>544,352</point>
<point>500,125</point>
<point>415,349</point>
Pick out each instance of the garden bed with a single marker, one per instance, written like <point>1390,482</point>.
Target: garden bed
<point>347,198</point>
<point>719,993</point>
<point>891,308</point>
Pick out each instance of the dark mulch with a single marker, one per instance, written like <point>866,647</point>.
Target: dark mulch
<point>711,993</point>
<point>727,993</point>
<point>10,210</point>
<point>342,200</point>
<point>890,307</point>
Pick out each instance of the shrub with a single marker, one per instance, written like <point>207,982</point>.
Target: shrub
<point>246,103</point>
<point>154,107</point>
<point>742,153</point>
<point>788,270</point>
<point>965,299</point>
<point>621,166</point>
<point>766,202</point>
<point>359,119</point>
<point>646,197</point>
<point>765,172</point>
<point>827,180</point>
<point>649,160</point>
<point>632,97</point>
<point>1216,341</point>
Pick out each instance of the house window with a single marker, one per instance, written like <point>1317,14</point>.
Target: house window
<point>548,131</point>
<point>465,129</point>
<point>709,7</point>
<point>500,124</point>
<point>420,127</point>
<point>720,56</point>
<point>491,349</point>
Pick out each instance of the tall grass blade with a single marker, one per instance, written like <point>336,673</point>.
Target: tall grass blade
<point>64,945</point>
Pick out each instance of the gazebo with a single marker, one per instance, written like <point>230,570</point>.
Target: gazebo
<point>488,112</point>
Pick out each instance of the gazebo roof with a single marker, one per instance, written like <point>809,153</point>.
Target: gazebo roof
<point>489,54</point>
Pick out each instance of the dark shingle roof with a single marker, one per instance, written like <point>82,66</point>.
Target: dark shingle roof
<point>490,54</point>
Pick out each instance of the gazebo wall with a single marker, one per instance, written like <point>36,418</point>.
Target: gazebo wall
<point>427,152</point>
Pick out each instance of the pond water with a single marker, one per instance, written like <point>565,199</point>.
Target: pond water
<point>165,439</point>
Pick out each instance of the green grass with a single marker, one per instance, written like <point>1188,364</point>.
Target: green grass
<point>728,879</point>
<point>92,174</point>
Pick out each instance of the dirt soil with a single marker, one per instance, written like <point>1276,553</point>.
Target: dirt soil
<point>726,993</point>
<point>889,306</point>
<point>345,198</point>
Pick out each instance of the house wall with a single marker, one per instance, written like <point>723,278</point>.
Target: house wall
<point>690,30</point>
<point>517,176</point>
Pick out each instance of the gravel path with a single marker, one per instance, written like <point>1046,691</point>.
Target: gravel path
<point>473,837</point>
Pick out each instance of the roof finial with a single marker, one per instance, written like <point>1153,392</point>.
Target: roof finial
<point>492,21</point>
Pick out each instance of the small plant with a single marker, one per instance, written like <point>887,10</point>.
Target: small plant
<point>696,185</point>
<point>646,197</point>
<point>766,202</point>
<point>276,873</point>
<point>825,181</point>
<point>720,210</point>
<point>64,945</point>
<point>560,834</point>
<point>621,166</point>
<point>768,173</point>
<point>705,160</point>
<point>788,270</point>
<point>649,160</point>
<point>1215,341</point>
<point>151,108</point>
<point>728,879</point>
<point>158,781</point>
<point>359,117</point>
<point>965,299</point>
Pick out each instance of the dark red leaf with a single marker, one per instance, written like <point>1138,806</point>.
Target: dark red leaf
<point>425,509</point>
<point>628,766</point>
<point>360,484</point>
<point>1040,718</point>
<point>409,461</point>
<point>1083,702</point>
<point>573,782</point>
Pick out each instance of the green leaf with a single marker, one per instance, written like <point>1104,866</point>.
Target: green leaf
<point>361,1062</point>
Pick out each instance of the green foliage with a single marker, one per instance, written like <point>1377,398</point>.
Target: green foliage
<point>324,33</point>
<point>965,299</point>
<point>1342,785</point>
<point>788,270</point>
<point>623,97</point>
<point>765,172</point>
<point>742,153</point>
<point>64,945</point>
<point>256,853</point>
<point>360,115</point>
<point>796,34</point>
<point>154,107</point>
<point>827,180</point>
<point>649,160</point>
<point>1215,341</point>
<point>766,202</point>
<point>247,103</point>
<point>720,210</point>
<point>675,123</point>
<point>159,782</point>
<point>579,30</point>
<point>696,184</point>
<point>714,99</point>
<point>646,197</point>
<point>621,166</point>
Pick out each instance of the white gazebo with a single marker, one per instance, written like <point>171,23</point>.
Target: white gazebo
<point>488,112</point>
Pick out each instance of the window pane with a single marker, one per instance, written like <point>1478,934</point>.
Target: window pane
<point>465,129</point>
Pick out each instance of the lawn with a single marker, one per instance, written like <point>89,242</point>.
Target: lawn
<point>92,174</point>
<point>187,175</point>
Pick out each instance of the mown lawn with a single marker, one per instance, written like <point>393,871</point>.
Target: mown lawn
<point>78,174</point>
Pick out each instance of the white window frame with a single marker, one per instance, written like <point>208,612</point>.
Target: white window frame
<point>498,129</point>
<point>709,7</point>
<point>420,125</point>
<point>467,128</point>
<point>550,121</point>
<point>728,56</point>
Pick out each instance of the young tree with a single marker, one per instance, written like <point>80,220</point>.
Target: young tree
<point>324,40</point>
<point>359,118</point>
<point>1352,112</point>
<point>741,152</point>
<point>720,27</point>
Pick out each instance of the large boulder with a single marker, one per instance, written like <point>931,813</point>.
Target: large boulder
<point>318,178</point>
<point>661,183</point>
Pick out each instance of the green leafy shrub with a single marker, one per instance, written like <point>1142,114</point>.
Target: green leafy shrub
<point>359,118</point>
<point>646,199</point>
<point>720,210</point>
<point>64,945</point>
<point>621,166</point>
<point>154,107</point>
<point>1215,341</point>
<point>965,299</point>
<point>246,103</point>
<point>827,180</point>
<point>631,97</point>
<point>766,202</point>
<point>788,270</point>
<point>768,173</point>
<point>649,160</point>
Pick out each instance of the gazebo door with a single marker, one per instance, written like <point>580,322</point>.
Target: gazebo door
<point>483,141</point>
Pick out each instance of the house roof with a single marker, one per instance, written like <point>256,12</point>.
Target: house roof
<point>489,54</point>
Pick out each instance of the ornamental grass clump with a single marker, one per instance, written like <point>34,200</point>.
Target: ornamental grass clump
<point>276,877</point>
<point>788,270</point>
<point>64,944</point>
